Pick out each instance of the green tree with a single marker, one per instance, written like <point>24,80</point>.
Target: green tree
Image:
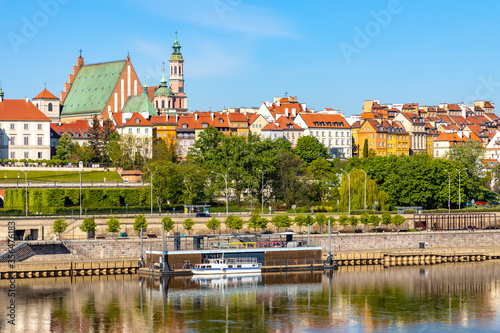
<point>88,225</point>
<point>321,220</point>
<point>95,139</point>
<point>365,149</point>
<point>257,221</point>
<point>353,221</point>
<point>64,147</point>
<point>234,222</point>
<point>332,220</point>
<point>374,220</point>
<point>309,148</point>
<point>213,224</point>
<point>188,224</point>
<point>386,218</point>
<point>206,144</point>
<point>343,220</point>
<point>113,225</point>
<point>323,178</point>
<point>140,222</point>
<point>281,221</point>
<point>286,181</point>
<point>365,219</point>
<point>398,220</point>
<point>168,223</point>
<point>59,226</point>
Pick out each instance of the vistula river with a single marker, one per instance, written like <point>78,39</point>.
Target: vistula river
<point>452,297</point>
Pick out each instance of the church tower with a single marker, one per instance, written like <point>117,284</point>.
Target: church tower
<point>177,77</point>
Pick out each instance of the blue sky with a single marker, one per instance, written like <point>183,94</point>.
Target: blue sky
<point>238,53</point>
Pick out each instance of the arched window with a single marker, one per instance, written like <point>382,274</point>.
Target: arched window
<point>162,104</point>
<point>50,106</point>
<point>169,104</point>
<point>157,104</point>
<point>180,70</point>
<point>37,105</point>
<point>175,70</point>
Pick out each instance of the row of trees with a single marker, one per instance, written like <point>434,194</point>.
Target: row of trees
<point>236,223</point>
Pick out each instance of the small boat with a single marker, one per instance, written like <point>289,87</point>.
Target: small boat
<point>228,266</point>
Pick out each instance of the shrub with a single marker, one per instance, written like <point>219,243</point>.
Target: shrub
<point>59,226</point>
<point>168,223</point>
<point>140,222</point>
<point>257,221</point>
<point>213,224</point>
<point>234,222</point>
<point>188,224</point>
<point>113,225</point>
<point>88,225</point>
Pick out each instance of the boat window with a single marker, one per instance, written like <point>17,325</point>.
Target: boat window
<point>230,266</point>
<point>239,266</point>
<point>209,266</point>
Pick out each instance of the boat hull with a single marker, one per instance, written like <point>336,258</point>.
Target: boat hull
<point>214,271</point>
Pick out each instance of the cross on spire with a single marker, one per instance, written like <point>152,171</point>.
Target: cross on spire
<point>81,53</point>
<point>163,65</point>
<point>175,34</point>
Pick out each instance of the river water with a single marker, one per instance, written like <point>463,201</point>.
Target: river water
<point>460,297</point>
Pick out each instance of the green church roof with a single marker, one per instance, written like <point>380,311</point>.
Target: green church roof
<point>92,88</point>
<point>163,89</point>
<point>139,103</point>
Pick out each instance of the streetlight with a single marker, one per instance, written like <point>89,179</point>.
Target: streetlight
<point>349,181</point>
<point>80,172</point>
<point>26,176</point>
<point>365,187</point>
<point>152,174</point>
<point>459,194</point>
<point>262,172</point>
<point>225,180</point>
<point>449,181</point>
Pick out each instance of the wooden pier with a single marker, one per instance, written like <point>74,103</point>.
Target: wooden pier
<point>38,270</point>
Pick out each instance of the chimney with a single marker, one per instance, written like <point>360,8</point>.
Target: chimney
<point>213,116</point>
<point>294,112</point>
<point>286,112</point>
<point>195,116</point>
<point>176,118</point>
<point>27,99</point>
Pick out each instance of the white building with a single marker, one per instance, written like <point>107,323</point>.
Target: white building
<point>24,130</point>
<point>332,130</point>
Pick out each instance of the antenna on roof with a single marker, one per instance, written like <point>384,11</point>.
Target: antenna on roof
<point>286,93</point>
<point>45,85</point>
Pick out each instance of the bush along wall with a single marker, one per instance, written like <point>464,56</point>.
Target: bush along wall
<point>50,200</point>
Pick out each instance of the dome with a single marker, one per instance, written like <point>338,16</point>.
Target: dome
<point>163,89</point>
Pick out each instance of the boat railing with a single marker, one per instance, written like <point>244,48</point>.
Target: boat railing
<point>247,245</point>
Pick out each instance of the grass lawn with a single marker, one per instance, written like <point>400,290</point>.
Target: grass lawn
<point>11,176</point>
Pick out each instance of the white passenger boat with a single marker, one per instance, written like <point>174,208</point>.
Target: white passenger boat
<point>228,266</point>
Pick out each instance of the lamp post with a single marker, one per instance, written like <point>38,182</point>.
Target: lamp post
<point>80,172</point>
<point>152,174</point>
<point>225,181</point>
<point>26,177</point>
<point>349,181</point>
<point>262,172</point>
<point>365,188</point>
<point>459,194</point>
<point>449,182</point>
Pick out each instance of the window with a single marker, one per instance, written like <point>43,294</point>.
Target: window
<point>317,133</point>
<point>40,141</point>
<point>50,106</point>
<point>26,155</point>
<point>221,121</point>
<point>137,120</point>
<point>12,140</point>
<point>204,125</point>
<point>162,104</point>
<point>39,126</point>
<point>336,133</point>
<point>373,136</point>
<point>323,133</point>
<point>184,126</point>
<point>158,135</point>
<point>12,154</point>
<point>164,135</point>
<point>348,134</point>
<point>146,130</point>
<point>12,126</point>
<point>329,133</point>
<point>130,130</point>
<point>342,142</point>
<point>40,155</point>
<point>138,131</point>
<point>26,140</point>
<point>26,126</point>
<point>138,141</point>
<point>341,133</point>
<point>337,142</point>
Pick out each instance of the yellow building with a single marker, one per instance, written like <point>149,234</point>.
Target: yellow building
<point>384,137</point>
<point>165,127</point>
<point>238,124</point>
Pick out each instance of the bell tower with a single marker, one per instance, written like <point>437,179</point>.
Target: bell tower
<point>177,76</point>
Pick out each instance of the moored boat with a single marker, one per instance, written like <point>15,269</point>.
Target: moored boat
<point>228,266</point>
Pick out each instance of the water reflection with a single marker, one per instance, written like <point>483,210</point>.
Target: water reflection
<point>460,296</point>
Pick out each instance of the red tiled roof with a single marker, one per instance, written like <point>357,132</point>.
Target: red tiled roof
<point>252,118</point>
<point>189,120</point>
<point>286,123</point>
<point>272,127</point>
<point>459,120</point>
<point>20,110</point>
<point>491,116</point>
<point>142,120</point>
<point>45,94</point>
<point>487,104</point>
<point>454,107</point>
<point>475,120</point>
<point>237,117</point>
<point>325,121</point>
<point>79,126</point>
<point>445,118</point>
<point>162,120</point>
